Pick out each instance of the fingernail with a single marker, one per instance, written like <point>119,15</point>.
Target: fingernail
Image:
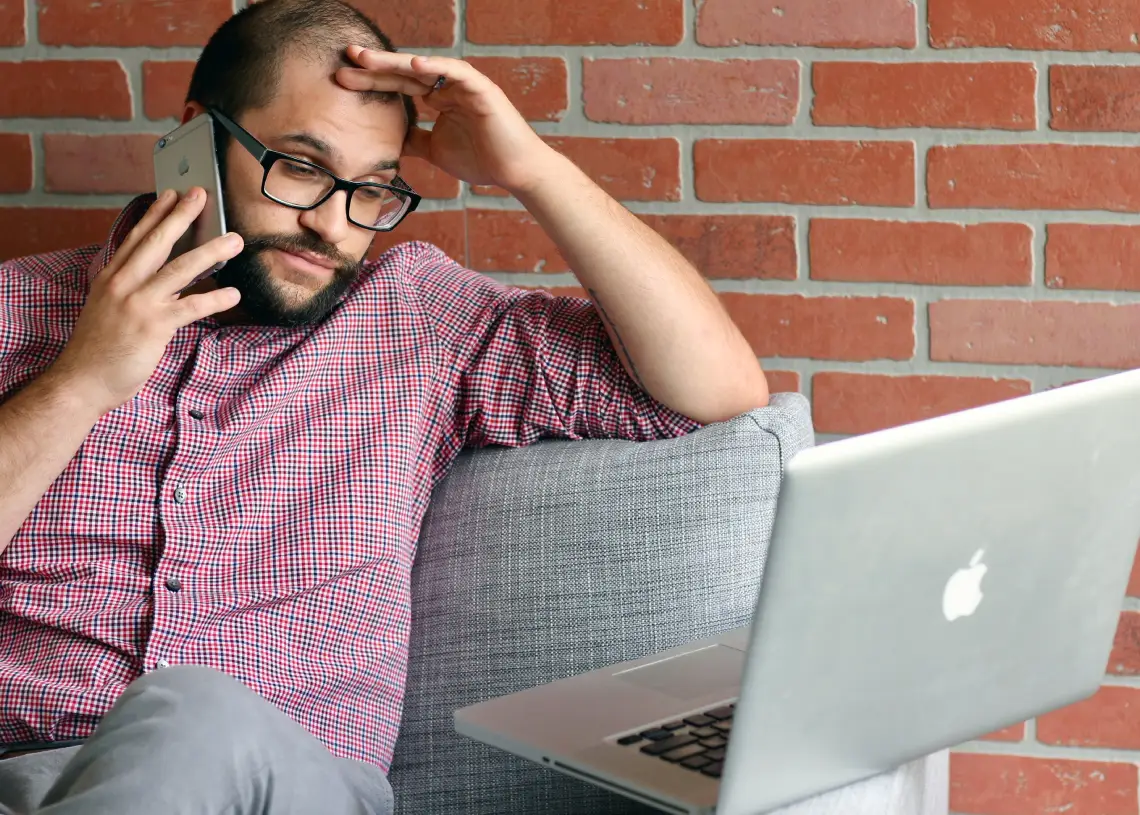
<point>194,194</point>
<point>234,239</point>
<point>166,195</point>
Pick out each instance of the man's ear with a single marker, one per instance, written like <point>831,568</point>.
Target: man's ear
<point>191,110</point>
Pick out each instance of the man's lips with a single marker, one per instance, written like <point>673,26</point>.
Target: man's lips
<point>308,261</point>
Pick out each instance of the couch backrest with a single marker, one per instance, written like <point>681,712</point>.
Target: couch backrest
<point>542,562</point>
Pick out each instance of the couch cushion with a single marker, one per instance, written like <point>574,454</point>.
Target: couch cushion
<point>562,557</point>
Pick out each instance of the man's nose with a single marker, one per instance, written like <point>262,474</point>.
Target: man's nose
<point>330,219</point>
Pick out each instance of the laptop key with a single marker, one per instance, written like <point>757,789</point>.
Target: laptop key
<point>720,713</point>
<point>716,755</point>
<point>630,739</point>
<point>704,732</point>
<point>656,734</point>
<point>699,720</point>
<point>688,751</point>
<point>715,741</point>
<point>665,745</point>
<point>677,725</point>
<point>695,762</point>
<point>713,769</point>
<point>724,727</point>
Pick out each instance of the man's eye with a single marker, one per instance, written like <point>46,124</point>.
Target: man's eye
<point>373,193</point>
<point>299,170</point>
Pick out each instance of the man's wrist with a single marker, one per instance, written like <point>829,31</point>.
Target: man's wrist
<point>69,393</point>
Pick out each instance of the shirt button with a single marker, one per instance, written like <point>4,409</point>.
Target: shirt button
<point>162,663</point>
<point>174,584</point>
<point>196,414</point>
<point>180,496</point>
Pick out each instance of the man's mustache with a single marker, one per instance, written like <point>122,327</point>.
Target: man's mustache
<point>299,243</point>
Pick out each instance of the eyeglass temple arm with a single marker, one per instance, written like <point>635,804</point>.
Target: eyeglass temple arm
<point>256,148</point>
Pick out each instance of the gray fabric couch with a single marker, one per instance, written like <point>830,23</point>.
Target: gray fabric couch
<point>565,556</point>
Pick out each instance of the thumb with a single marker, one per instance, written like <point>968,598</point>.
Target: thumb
<point>418,144</point>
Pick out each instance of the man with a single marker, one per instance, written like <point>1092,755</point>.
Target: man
<point>210,498</point>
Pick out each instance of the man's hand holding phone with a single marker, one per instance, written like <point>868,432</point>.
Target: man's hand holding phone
<point>134,307</point>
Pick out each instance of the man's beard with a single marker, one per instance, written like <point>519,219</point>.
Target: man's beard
<point>261,298</point>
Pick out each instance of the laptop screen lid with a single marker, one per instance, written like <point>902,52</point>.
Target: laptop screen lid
<point>930,583</point>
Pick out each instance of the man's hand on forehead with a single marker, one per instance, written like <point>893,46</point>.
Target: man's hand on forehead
<point>479,136</point>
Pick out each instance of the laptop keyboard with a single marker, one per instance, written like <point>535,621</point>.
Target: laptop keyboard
<point>696,742</point>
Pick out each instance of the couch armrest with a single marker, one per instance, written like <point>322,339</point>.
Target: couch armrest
<point>542,562</point>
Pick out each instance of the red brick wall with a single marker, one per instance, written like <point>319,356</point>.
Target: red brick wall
<point>909,208</point>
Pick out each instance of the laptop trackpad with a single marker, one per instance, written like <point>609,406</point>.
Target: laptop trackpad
<point>697,673</point>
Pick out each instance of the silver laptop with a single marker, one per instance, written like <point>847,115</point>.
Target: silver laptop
<point>925,585</point>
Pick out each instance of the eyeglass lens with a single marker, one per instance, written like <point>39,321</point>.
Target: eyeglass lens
<point>303,185</point>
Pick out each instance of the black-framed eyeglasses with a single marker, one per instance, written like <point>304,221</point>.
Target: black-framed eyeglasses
<point>299,184</point>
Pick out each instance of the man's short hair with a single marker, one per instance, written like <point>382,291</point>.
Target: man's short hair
<point>240,67</point>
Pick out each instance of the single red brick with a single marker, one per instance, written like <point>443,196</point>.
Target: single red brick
<point>1032,25</point>
<point>628,169</point>
<point>845,328</point>
<point>16,167</point>
<point>1013,733</point>
<point>782,381</point>
<point>427,179</point>
<point>126,23</point>
<point>1125,657</point>
<point>732,246</point>
<point>1034,176</point>
<point>1016,332</point>
<point>1018,785</point>
<point>13,24</point>
<point>575,22</point>
<point>537,86</point>
<point>412,24</point>
<point>1094,97</point>
<point>851,24</point>
<point>510,241</point>
<point>32,230</point>
<point>110,163</point>
<point>994,95</point>
<point>1109,718</point>
<point>164,88</point>
<point>938,254</point>
<point>799,171</point>
<point>666,90</point>
<point>861,403</point>
<point>89,89</point>
<point>719,246</point>
<point>1093,256</point>
<point>443,228</point>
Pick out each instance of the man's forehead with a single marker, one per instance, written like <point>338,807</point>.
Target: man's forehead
<point>311,109</point>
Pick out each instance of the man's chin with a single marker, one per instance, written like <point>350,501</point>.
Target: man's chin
<point>272,295</point>
<point>292,272</point>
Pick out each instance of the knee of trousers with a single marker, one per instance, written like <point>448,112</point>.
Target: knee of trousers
<point>194,697</point>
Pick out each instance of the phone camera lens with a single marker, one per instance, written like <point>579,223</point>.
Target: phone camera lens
<point>162,142</point>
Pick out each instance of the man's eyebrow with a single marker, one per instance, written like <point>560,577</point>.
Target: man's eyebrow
<point>327,150</point>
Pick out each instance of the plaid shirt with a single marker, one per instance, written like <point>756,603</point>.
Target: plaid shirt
<point>256,507</point>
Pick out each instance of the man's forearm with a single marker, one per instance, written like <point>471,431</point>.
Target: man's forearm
<point>666,323</point>
<point>41,428</point>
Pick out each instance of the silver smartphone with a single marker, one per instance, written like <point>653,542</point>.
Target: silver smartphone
<point>184,158</point>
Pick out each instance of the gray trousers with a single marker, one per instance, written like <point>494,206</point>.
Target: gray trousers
<point>193,740</point>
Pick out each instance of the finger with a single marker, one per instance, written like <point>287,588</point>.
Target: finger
<point>153,248</point>
<point>426,69</point>
<point>361,79</point>
<point>194,307</point>
<point>150,219</point>
<point>180,272</point>
<point>418,143</point>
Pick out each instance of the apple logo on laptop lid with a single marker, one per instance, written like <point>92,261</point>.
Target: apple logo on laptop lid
<point>963,592</point>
